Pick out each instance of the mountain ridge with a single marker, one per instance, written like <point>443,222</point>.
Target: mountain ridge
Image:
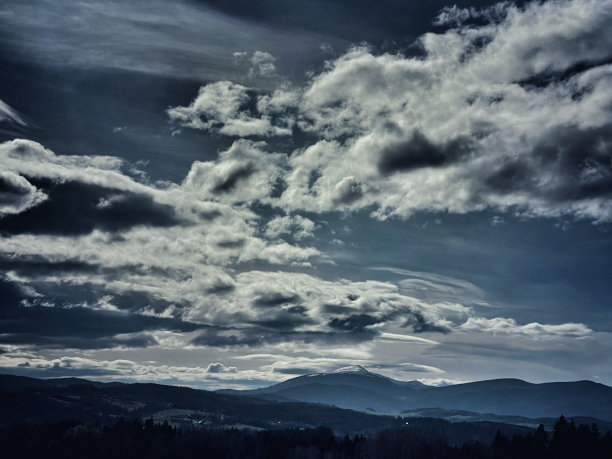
<point>359,389</point>
<point>30,400</point>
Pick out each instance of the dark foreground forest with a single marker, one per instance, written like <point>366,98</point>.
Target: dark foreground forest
<point>134,439</point>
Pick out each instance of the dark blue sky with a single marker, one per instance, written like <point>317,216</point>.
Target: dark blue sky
<point>227,193</point>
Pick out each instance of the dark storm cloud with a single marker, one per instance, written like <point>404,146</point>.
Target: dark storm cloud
<point>578,161</point>
<point>273,299</point>
<point>582,160</point>
<point>420,324</point>
<point>82,328</point>
<point>17,194</point>
<point>551,77</point>
<point>354,323</point>
<point>37,267</point>
<point>221,289</point>
<point>11,293</point>
<point>10,191</point>
<point>75,208</point>
<point>358,323</point>
<point>283,320</point>
<point>258,336</point>
<point>418,151</point>
<point>512,176</point>
<point>231,244</point>
<point>291,318</point>
<point>337,309</point>
<point>230,182</point>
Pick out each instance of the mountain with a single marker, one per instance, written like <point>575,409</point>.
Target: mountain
<point>359,389</point>
<point>351,387</point>
<point>33,401</point>
<point>30,400</point>
<point>517,397</point>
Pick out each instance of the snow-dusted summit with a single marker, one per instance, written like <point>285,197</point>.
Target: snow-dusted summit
<point>358,369</point>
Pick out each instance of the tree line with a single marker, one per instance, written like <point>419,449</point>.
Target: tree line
<point>135,439</point>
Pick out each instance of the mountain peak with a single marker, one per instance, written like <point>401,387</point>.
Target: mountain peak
<point>352,369</point>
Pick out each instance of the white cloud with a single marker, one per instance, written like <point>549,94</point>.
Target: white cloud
<point>295,225</point>
<point>243,173</point>
<point>7,113</point>
<point>17,194</point>
<point>180,39</point>
<point>262,64</point>
<point>31,159</point>
<point>215,374</point>
<point>222,107</point>
<point>534,330</point>
<point>494,116</point>
<point>499,115</point>
<point>220,368</point>
<point>407,338</point>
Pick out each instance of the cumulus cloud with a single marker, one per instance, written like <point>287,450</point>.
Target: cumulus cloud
<point>220,368</point>
<point>243,173</point>
<point>108,200</point>
<point>295,225</point>
<point>262,64</point>
<point>507,109</point>
<point>223,107</point>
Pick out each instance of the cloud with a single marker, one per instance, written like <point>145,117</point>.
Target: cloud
<point>10,115</point>
<point>292,365</point>
<point>436,287</point>
<point>505,109</point>
<point>407,338</point>
<point>534,330</point>
<point>418,152</point>
<point>183,40</point>
<point>30,364</point>
<point>223,107</point>
<point>163,257</point>
<point>17,194</point>
<point>105,199</point>
<point>413,367</point>
<point>262,64</point>
<point>296,226</point>
<point>30,159</point>
<point>73,208</point>
<point>220,368</point>
<point>82,327</point>
<point>243,173</point>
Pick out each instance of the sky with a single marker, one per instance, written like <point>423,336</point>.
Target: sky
<point>230,194</point>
